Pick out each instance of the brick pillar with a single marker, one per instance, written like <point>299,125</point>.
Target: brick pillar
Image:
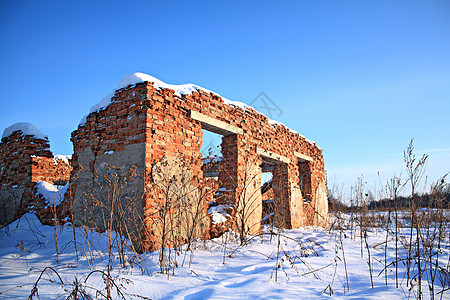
<point>229,170</point>
<point>240,175</point>
<point>288,200</point>
<point>305,183</point>
<point>295,197</point>
<point>280,186</point>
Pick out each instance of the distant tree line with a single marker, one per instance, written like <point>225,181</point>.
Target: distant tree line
<point>421,201</point>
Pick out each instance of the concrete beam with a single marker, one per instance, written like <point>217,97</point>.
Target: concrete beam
<point>302,157</point>
<point>215,125</point>
<point>271,155</point>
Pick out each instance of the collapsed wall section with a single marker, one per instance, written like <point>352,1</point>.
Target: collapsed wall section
<point>26,159</point>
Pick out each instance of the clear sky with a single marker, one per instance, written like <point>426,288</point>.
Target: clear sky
<point>361,78</point>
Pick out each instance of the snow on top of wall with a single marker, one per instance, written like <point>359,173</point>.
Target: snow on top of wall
<point>180,89</point>
<point>50,193</point>
<point>64,158</point>
<point>26,128</point>
<point>132,79</point>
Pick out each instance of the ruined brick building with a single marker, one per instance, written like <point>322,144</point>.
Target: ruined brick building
<point>25,160</point>
<point>147,121</point>
<point>156,130</point>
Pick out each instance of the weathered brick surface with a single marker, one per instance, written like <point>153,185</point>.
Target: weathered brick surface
<point>159,119</point>
<point>25,160</point>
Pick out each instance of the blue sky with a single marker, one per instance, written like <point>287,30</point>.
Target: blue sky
<point>361,78</point>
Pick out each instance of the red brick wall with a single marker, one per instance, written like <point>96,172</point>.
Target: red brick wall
<point>46,169</point>
<point>16,157</point>
<point>123,123</point>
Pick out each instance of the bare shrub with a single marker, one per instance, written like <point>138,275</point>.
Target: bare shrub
<point>115,202</point>
<point>180,216</point>
<point>112,288</point>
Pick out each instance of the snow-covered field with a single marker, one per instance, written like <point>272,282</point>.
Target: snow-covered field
<point>312,263</point>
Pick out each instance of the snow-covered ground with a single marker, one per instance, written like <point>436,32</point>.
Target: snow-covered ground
<point>310,265</point>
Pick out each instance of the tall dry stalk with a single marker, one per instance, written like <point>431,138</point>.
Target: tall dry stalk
<point>393,189</point>
<point>415,170</point>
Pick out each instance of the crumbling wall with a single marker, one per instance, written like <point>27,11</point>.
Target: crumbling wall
<point>144,125</point>
<point>17,152</point>
<point>258,132</point>
<point>138,129</point>
<point>24,160</point>
<point>50,169</point>
<point>111,145</point>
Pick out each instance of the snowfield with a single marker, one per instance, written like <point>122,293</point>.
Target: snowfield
<point>312,263</point>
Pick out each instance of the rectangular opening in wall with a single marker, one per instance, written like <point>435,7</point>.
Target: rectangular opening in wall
<point>280,207</point>
<point>267,192</point>
<point>213,168</point>
<point>304,179</point>
<point>212,153</point>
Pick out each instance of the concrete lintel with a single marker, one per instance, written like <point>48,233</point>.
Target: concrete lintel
<point>272,155</point>
<point>215,125</point>
<point>302,157</point>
